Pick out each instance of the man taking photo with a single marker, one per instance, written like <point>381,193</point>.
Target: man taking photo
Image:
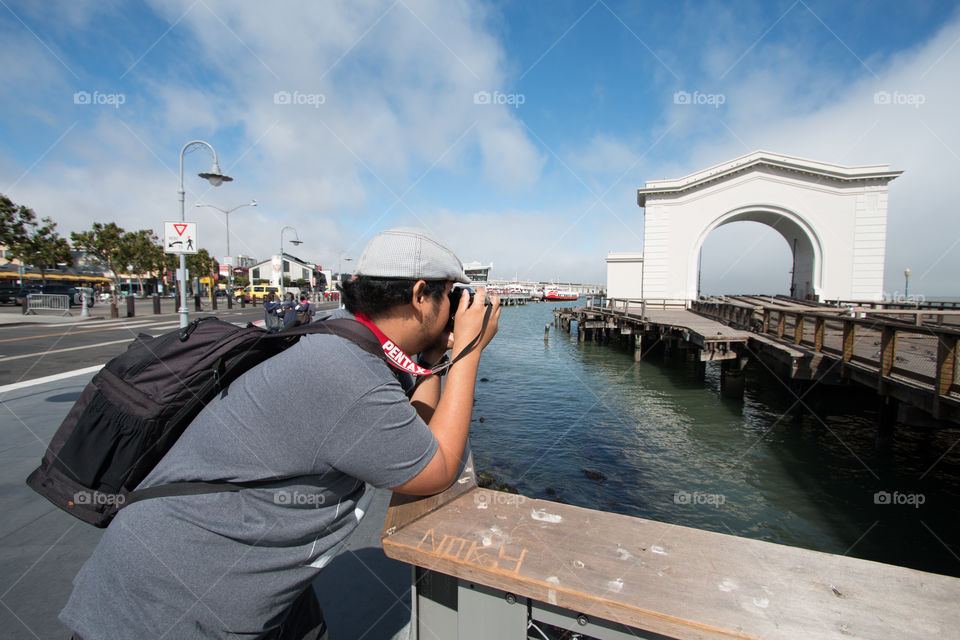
<point>317,422</point>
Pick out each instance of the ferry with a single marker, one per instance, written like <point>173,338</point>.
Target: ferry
<point>554,292</point>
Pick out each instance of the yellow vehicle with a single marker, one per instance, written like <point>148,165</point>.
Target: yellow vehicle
<point>255,292</point>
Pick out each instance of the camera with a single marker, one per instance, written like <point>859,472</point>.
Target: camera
<point>455,294</point>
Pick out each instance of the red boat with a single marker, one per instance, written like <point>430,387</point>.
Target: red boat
<point>556,293</point>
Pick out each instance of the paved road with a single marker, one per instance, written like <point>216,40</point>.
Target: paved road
<point>55,345</point>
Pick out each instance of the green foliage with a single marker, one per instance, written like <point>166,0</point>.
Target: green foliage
<point>31,241</point>
<point>104,245</point>
<point>240,282</point>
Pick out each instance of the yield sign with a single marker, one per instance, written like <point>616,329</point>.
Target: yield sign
<point>180,237</point>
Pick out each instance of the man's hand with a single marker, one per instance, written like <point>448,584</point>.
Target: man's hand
<point>469,320</point>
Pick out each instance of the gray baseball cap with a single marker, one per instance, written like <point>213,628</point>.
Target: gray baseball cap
<point>410,253</point>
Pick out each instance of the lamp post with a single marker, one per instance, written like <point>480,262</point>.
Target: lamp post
<point>226,213</point>
<point>216,178</point>
<point>906,286</point>
<point>340,269</point>
<point>296,242</point>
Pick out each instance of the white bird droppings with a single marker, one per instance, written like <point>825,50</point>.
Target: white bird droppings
<point>727,585</point>
<point>623,553</point>
<point>578,564</point>
<point>615,585</point>
<point>656,549</point>
<point>482,504</point>
<point>553,580</point>
<point>543,516</point>
<point>763,603</point>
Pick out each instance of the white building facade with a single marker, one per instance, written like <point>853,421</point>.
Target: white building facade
<point>833,217</point>
<point>625,275</point>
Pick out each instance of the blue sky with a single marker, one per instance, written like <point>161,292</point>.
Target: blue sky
<point>383,127</point>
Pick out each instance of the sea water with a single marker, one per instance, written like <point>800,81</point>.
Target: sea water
<point>584,424</point>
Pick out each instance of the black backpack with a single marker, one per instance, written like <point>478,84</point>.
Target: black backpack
<point>136,407</point>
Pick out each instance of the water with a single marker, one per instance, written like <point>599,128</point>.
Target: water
<point>673,450</point>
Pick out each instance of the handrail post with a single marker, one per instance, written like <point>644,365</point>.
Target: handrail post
<point>798,329</point>
<point>818,332</point>
<point>888,350</point>
<point>781,323</point>
<point>849,339</point>
<point>946,370</point>
<point>766,320</point>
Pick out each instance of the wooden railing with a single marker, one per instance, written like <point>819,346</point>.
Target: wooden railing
<point>637,306</point>
<point>892,350</point>
<point>497,565</point>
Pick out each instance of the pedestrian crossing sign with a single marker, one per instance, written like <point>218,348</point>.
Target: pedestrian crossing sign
<point>179,237</point>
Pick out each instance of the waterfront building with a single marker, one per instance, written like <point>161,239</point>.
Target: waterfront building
<point>833,217</point>
<point>477,272</point>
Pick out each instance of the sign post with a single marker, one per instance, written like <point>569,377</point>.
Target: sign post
<point>181,238</point>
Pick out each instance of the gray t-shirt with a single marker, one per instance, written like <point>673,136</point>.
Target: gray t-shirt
<point>325,417</point>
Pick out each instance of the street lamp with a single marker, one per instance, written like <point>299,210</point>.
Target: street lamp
<point>340,269</point>
<point>906,286</point>
<point>296,242</point>
<point>226,213</point>
<point>216,177</point>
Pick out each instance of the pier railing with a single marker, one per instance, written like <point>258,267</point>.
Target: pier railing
<point>636,306</point>
<point>921,360</point>
<point>489,564</point>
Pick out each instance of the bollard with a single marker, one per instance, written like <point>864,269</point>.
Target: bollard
<point>24,311</point>
<point>114,312</point>
<point>156,304</point>
<point>229,302</point>
<point>243,303</point>
<point>213,302</point>
<point>84,309</point>
<point>130,312</point>
<point>196,302</point>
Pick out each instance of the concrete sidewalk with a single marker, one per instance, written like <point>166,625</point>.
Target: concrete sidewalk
<point>363,593</point>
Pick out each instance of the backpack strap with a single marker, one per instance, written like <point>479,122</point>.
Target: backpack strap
<point>343,327</point>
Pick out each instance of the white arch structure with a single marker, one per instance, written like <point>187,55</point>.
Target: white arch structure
<point>833,217</point>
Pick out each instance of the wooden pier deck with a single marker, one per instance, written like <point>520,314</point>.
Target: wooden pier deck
<point>908,355</point>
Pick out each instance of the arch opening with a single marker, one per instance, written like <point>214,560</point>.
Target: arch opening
<point>803,244</point>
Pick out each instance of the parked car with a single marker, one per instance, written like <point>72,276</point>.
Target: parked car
<point>8,293</point>
<point>255,292</point>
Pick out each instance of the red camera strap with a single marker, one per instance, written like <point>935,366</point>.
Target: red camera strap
<point>400,360</point>
<point>394,353</point>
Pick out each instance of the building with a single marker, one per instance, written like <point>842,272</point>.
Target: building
<point>625,275</point>
<point>477,272</point>
<point>290,266</point>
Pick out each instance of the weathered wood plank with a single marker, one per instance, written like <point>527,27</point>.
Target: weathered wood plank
<point>673,580</point>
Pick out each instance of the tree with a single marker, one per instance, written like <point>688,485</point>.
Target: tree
<point>143,252</point>
<point>104,244</point>
<point>202,264</point>
<point>30,241</point>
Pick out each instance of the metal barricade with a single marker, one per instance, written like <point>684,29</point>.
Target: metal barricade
<point>48,302</point>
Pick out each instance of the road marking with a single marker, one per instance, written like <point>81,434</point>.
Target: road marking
<point>52,351</point>
<point>142,325</point>
<point>53,378</point>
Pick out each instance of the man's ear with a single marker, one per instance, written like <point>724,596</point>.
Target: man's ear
<point>419,293</point>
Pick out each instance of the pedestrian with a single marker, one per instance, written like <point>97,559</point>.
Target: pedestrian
<point>304,310</point>
<point>271,306</point>
<point>222,565</point>
<point>288,310</point>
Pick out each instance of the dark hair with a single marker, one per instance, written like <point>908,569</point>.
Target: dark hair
<point>372,296</point>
